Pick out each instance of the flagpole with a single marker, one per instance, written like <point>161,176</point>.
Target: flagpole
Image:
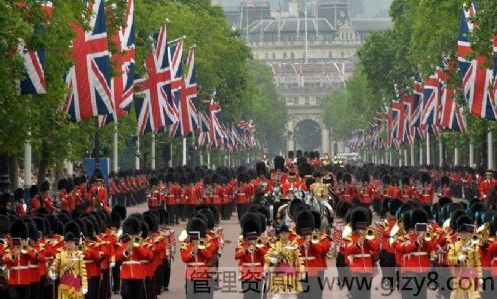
<point>184,152</point>
<point>27,162</point>
<point>412,154</point>
<point>471,153</point>
<point>490,152</point>
<point>201,156</point>
<point>170,163</point>
<point>115,148</point>
<point>456,156</point>
<point>137,153</point>
<point>428,160</point>
<point>209,159</point>
<point>152,153</point>
<point>440,151</point>
<point>420,145</point>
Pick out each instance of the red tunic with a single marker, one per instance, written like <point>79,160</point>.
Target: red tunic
<point>196,267</point>
<point>415,258</point>
<point>250,264</point>
<point>357,259</point>
<point>314,257</point>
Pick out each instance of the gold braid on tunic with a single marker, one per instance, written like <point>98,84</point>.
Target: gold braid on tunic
<point>281,253</point>
<point>460,287</point>
<point>69,263</point>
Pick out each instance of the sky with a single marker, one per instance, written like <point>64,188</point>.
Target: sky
<point>371,7</point>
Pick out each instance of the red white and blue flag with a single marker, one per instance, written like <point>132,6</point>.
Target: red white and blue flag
<point>430,101</point>
<point>188,120</point>
<point>204,137</point>
<point>124,62</point>
<point>217,132</point>
<point>477,80</point>
<point>156,111</point>
<point>174,84</point>
<point>417,104</point>
<point>89,79</point>
<point>34,62</point>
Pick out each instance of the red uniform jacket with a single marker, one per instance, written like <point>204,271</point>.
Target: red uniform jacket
<point>314,257</point>
<point>242,195</point>
<point>385,245</point>
<point>415,257</point>
<point>154,200</point>
<point>196,263</point>
<point>134,264</point>
<point>92,259</point>
<point>357,259</point>
<point>18,266</point>
<point>48,202</point>
<point>250,264</point>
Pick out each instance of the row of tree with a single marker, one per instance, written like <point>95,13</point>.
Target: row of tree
<point>224,64</point>
<point>423,36</point>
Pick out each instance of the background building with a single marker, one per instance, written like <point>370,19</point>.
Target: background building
<point>311,47</point>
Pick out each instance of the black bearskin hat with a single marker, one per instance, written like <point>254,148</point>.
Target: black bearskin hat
<point>365,177</point>
<point>115,219</point>
<point>197,224</point>
<point>250,223</point>
<point>279,163</point>
<point>445,181</point>
<point>45,186</point>
<point>347,178</point>
<point>131,226</point>
<point>317,219</point>
<point>151,221</point>
<point>18,194</point>
<point>359,214</point>
<point>261,168</point>
<point>454,216</point>
<point>295,206</point>
<point>40,225</point>
<point>61,184</point>
<point>153,181</point>
<point>305,169</point>
<point>33,191</point>
<point>443,201</point>
<point>386,179</point>
<point>393,206</point>
<point>406,180</point>
<point>291,154</point>
<point>425,178</point>
<point>211,221</point>
<point>121,210</point>
<point>417,215</point>
<point>4,225</point>
<point>304,221</point>
<point>33,233</point>
<point>72,231</point>
<point>462,221</point>
<point>18,229</point>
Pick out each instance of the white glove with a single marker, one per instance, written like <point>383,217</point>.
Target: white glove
<point>84,291</point>
<point>53,277</point>
<point>461,258</point>
<point>112,265</point>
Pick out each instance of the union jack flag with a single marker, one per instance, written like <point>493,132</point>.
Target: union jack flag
<point>124,60</point>
<point>174,84</point>
<point>89,78</point>
<point>477,79</point>
<point>452,117</point>
<point>217,133</point>
<point>188,122</point>
<point>407,101</point>
<point>398,123</point>
<point>34,63</point>
<point>157,110</point>
<point>204,137</point>
<point>430,101</point>
<point>417,104</point>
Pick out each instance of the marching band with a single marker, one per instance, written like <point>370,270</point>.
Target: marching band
<point>374,220</point>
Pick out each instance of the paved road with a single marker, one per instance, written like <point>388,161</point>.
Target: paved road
<point>227,263</point>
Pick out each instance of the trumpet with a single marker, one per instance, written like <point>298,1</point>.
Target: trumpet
<point>259,243</point>
<point>427,236</point>
<point>202,244</point>
<point>25,248</point>
<point>137,241</point>
<point>315,238</point>
<point>475,239</point>
<point>369,234</point>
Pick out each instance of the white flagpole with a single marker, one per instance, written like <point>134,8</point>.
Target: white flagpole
<point>208,159</point>
<point>440,151</point>
<point>184,152</point>
<point>456,156</point>
<point>490,152</point>
<point>152,153</point>
<point>471,153</point>
<point>115,148</point>
<point>137,154</point>
<point>412,154</point>
<point>27,162</point>
<point>420,154</point>
<point>428,160</point>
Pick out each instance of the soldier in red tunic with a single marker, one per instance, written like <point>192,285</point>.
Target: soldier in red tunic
<point>485,185</point>
<point>196,251</point>
<point>250,256</point>
<point>445,186</point>
<point>155,198</point>
<point>416,248</point>
<point>313,247</point>
<point>361,250</point>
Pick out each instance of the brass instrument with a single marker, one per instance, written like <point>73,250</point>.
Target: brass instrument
<point>427,236</point>
<point>369,234</point>
<point>137,241</point>
<point>259,243</point>
<point>25,247</point>
<point>475,240</point>
<point>347,231</point>
<point>202,244</point>
<point>397,230</point>
<point>315,238</point>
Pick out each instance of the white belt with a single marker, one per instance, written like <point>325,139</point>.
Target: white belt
<point>88,262</point>
<point>196,264</point>
<point>19,268</point>
<point>308,258</point>
<point>251,264</point>
<point>417,253</point>
<point>241,193</point>
<point>131,262</point>
<point>144,261</point>
<point>33,266</point>
<point>353,256</point>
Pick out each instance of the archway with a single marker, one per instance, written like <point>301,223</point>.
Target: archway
<point>307,135</point>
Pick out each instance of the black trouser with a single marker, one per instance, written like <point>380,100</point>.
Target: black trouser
<point>35,290</point>
<point>359,285</point>
<point>199,289</point>
<point>104,289</point>
<point>132,289</point>
<point>167,273</point>
<point>92,288</point>
<point>149,288</point>
<point>413,285</point>
<point>341,268</point>
<point>387,264</point>
<point>251,289</point>
<point>312,287</point>
<point>20,292</point>
<point>116,277</point>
